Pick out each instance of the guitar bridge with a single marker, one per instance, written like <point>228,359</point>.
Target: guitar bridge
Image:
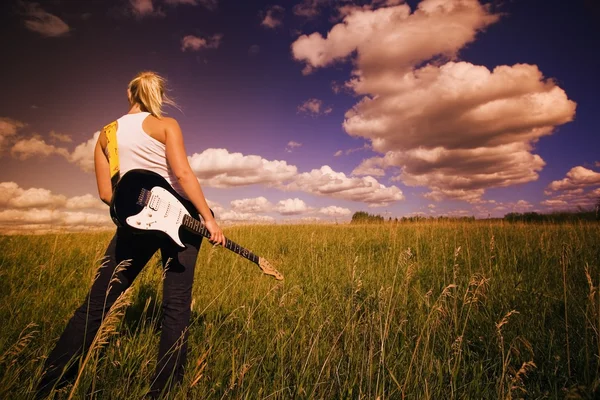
<point>143,197</point>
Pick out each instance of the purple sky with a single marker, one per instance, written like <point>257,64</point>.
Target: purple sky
<point>309,110</point>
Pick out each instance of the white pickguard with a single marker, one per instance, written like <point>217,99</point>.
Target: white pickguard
<point>162,213</point>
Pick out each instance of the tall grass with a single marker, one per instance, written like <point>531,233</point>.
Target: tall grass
<point>431,310</point>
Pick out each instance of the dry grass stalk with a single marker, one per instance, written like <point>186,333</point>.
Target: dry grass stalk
<point>107,329</point>
<point>200,367</point>
<point>24,339</point>
<point>517,381</point>
<point>505,354</point>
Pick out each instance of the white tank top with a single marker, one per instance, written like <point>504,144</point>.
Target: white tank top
<point>137,149</point>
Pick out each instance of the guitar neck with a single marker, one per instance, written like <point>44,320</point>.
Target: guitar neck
<point>199,228</point>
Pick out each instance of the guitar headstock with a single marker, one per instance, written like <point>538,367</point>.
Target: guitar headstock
<point>268,269</point>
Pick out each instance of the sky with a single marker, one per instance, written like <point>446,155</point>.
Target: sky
<point>309,110</point>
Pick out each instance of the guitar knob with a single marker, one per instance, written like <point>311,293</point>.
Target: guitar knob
<point>138,222</point>
<point>150,215</point>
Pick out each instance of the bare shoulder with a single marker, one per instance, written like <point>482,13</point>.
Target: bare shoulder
<point>170,123</point>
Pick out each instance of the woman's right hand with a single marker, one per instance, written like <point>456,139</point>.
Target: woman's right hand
<point>216,234</point>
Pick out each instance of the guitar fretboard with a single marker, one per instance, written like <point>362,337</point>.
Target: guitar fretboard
<point>197,226</point>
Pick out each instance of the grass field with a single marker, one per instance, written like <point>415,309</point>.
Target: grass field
<point>415,311</point>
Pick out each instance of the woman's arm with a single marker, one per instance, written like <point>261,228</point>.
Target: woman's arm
<point>177,159</point>
<point>102,172</point>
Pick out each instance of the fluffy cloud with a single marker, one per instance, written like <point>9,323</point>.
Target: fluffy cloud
<point>8,128</point>
<point>577,177</point>
<point>44,23</point>
<point>326,182</point>
<point>454,127</point>
<point>38,209</point>
<point>291,207</point>
<point>314,107</point>
<point>394,36</point>
<point>45,220</point>
<point>273,17</point>
<point>86,201</point>
<point>83,155</point>
<point>219,168</point>
<point>335,211</point>
<point>574,190</point>
<point>572,199</point>
<point>195,43</point>
<point>26,148</point>
<point>13,196</point>
<point>255,205</point>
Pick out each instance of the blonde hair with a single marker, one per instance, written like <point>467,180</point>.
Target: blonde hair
<point>148,90</point>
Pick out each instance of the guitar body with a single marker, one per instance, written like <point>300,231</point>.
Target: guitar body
<point>144,201</point>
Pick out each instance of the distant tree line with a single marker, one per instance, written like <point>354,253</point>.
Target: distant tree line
<point>559,216</point>
<point>362,217</point>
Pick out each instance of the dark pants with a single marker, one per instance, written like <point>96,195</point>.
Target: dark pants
<point>177,296</point>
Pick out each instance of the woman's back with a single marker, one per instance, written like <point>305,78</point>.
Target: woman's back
<point>140,146</point>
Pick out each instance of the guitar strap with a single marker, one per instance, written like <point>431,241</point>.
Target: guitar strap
<point>112,150</point>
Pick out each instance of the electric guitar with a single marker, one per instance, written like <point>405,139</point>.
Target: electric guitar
<point>145,202</point>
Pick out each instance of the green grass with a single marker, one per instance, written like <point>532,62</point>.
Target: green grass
<point>432,310</point>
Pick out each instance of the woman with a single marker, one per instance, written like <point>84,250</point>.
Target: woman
<point>150,141</point>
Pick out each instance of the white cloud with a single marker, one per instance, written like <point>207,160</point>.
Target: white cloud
<point>9,128</point>
<point>574,190</point>
<point>215,207</point>
<point>36,198</point>
<point>234,216</point>
<point>219,168</point>
<point>291,146</point>
<point>195,43</point>
<point>83,155</point>
<point>314,107</point>
<point>555,203</point>
<point>26,148</point>
<point>86,201</point>
<point>45,220</point>
<point>44,23</point>
<point>326,182</point>
<point>40,210</point>
<point>254,205</point>
<point>273,17</point>
<point>577,177</point>
<point>335,211</point>
<point>13,196</point>
<point>60,137</point>
<point>454,127</point>
<point>394,36</point>
<point>291,207</point>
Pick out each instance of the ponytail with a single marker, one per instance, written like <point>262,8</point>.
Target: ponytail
<point>148,90</point>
